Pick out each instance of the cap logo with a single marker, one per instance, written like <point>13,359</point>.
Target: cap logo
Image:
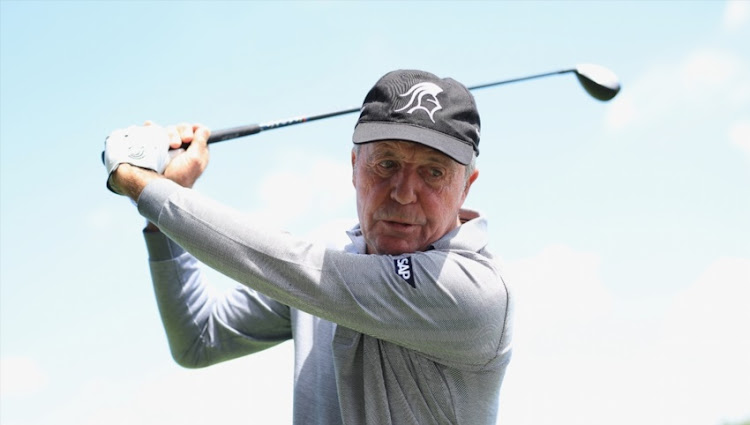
<point>418,92</point>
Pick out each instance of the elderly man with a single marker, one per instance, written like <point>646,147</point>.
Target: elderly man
<point>408,324</point>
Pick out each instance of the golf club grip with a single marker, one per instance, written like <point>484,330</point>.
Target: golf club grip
<point>225,134</point>
<point>231,133</point>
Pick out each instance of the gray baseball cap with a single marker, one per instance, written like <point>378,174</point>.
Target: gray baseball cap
<point>420,107</point>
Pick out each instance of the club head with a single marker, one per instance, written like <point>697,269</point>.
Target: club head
<point>598,81</point>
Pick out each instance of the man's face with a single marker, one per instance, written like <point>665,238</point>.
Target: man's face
<point>408,195</point>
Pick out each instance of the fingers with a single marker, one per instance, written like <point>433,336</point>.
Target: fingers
<point>172,133</point>
<point>186,132</point>
<point>186,167</point>
<point>174,137</point>
<point>179,134</point>
<point>194,135</point>
<point>200,135</point>
<point>198,148</point>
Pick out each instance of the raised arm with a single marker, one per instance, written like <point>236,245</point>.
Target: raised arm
<point>205,326</point>
<point>455,312</point>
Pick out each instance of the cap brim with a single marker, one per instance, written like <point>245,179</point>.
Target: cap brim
<point>366,132</point>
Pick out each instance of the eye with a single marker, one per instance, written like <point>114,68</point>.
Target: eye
<point>387,164</point>
<point>434,172</point>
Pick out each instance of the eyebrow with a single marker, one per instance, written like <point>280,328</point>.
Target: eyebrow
<point>389,148</point>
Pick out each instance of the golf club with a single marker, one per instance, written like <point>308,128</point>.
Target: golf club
<point>598,81</point>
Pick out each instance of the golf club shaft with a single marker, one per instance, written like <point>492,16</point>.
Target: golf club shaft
<point>515,80</point>
<point>598,81</point>
<point>247,130</point>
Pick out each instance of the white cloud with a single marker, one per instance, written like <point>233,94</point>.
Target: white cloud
<point>558,287</point>
<point>739,135</point>
<point>20,376</point>
<point>705,349</point>
<point>255,389</point>
<point>576,358</point>
<point>708,68</point>
<point>333,232</point>
<point>258,388</point>
<point>704,80</point>
<point>562,314</point>
<point>736,14</point>
<point>622,112</point>
<point>302,187</point>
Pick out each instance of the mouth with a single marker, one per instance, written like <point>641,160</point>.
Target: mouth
<point>398,224</point>
<point>401,227</point>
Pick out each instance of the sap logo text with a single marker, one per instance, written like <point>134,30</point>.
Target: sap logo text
<point>404,269</point>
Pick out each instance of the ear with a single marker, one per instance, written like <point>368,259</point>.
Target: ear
<point>472,178</point>
<point>354,166</point>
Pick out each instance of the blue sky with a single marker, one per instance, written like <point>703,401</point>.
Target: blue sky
<point>622,226</point>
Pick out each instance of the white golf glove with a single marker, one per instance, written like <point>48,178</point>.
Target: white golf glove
<point>145,147</point>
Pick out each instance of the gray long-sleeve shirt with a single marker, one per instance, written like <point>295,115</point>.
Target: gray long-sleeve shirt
<point>422,338</point>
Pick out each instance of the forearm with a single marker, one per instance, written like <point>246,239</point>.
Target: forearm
<point>204,327</point>
<point>129,180</point>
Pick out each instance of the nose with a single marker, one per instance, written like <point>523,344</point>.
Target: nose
<point>405,186</point>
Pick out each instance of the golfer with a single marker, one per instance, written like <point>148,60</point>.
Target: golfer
<point>410,323</point>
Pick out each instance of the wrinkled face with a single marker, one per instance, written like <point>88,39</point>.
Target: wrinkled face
<point>408,195</point>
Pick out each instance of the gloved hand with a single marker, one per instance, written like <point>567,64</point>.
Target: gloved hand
<point>145,147</point>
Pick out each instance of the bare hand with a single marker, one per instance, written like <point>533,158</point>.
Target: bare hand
<point>187,165</point>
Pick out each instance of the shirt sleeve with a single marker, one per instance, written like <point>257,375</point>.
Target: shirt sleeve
<point>454,309</point>
<point>204,326</point>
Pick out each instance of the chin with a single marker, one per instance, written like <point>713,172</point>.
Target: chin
<point>395,249</point>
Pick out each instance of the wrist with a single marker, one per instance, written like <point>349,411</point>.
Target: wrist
<point>151,228</point>
<point>130,180</point>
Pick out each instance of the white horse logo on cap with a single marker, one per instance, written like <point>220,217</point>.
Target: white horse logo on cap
<point>418,92</point>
